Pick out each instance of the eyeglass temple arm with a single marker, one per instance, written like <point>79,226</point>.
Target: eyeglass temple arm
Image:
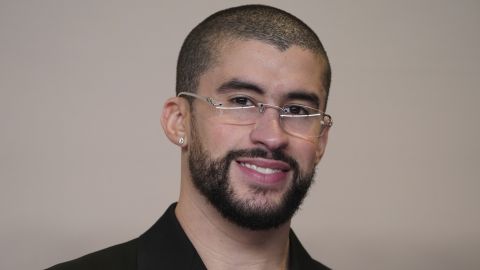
<point>209,100</point>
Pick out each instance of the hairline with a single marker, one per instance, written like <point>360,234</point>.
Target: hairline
<point>224,39</point>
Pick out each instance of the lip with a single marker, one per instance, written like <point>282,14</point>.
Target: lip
<point>274,178</point>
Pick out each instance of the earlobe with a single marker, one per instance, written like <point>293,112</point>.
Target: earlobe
<point>173,120</point>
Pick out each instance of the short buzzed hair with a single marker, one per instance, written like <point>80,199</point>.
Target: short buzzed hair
<point>250,22</point>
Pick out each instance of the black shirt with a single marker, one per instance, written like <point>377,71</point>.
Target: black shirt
<point>166,246</point>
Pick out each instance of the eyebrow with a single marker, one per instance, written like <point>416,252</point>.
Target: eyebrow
<point>236,84</point>
<point>304,95</point>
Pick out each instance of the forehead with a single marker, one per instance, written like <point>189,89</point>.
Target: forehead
<point>276,72</point>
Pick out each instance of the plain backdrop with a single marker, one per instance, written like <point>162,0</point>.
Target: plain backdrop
<point>84,163</point>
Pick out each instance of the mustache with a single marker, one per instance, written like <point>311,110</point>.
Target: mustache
<point>261,153</point>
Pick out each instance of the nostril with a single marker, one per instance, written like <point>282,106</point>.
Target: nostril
<point>269,133</point>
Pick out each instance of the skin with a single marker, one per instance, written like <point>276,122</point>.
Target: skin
<point>220,243</point>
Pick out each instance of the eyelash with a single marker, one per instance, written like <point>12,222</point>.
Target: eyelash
<point>303,110</point>
<point>246,98</point>
<point>248,101</point>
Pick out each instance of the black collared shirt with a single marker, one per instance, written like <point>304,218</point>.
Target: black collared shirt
<point>166,246</point>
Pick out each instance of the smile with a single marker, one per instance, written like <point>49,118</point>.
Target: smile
<point>259,169</point>
<point>263,172</point>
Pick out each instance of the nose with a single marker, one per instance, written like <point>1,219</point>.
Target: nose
<point>268,131</point>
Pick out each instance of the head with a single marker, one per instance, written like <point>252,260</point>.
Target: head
<point>200,50</point>
<point>255,175</point>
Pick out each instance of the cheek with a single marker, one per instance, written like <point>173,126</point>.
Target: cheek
<point>305,155</point>
<point>220,138</point>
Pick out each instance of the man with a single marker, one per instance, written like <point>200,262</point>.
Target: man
<point>252,88</point>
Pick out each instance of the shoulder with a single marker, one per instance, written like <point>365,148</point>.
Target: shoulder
<point>119,257</point>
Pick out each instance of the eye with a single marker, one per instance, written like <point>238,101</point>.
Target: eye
<point>242,101</point>
<point>296,110</point>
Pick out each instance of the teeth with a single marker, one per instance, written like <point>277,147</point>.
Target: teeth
<point>260,169</point>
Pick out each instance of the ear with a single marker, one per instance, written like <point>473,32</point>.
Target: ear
<point>174,119</point>
<point>321,145</point>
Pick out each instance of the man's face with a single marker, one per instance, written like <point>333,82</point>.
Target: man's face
<point>256,175</point>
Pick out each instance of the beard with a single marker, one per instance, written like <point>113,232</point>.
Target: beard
<point>211,178</point>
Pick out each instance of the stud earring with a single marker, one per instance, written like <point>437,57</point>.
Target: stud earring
<point>181,140</point>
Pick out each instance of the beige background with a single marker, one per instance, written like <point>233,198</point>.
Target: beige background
<point>84,163</point>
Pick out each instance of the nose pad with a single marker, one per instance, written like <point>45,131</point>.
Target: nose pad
<point>268,130</point>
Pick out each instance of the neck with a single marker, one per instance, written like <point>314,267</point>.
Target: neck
<point>224,245</point>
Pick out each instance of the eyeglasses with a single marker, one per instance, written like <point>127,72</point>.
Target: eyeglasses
<point>296,119</point>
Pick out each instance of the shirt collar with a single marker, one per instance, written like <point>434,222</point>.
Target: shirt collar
<point>166,246</point>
